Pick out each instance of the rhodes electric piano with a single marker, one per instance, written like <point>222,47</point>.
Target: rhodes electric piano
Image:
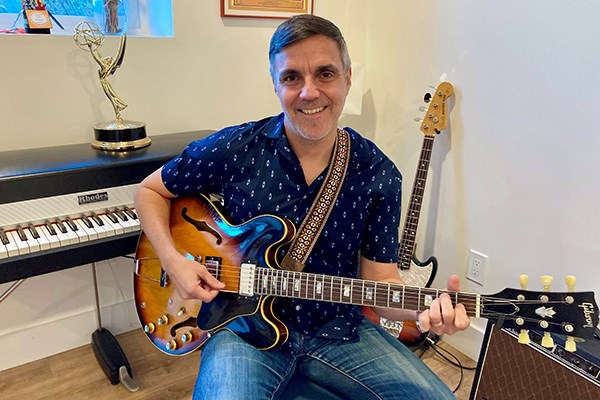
<point>62,207</point>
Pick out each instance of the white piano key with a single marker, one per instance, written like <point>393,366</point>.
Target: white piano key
<point>3,251</point>
<point>42,239</point>
<point>20,245</point>
<point>100,231</point>
<point>84,233</point>
<point>112,229</point>
<point>53,240</point>
<point>32,242</point>
<point>11,246</point>
<point>125,221</point>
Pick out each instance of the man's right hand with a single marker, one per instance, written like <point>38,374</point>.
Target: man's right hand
<point>191,279</point>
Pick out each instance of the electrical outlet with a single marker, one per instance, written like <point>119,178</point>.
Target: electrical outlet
<point>477,267</point>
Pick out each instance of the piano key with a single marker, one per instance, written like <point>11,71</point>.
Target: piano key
<point>3,250</point>
<point>33,243</point>
<point>71,224</point>
<point>3,237</point>
<point>21,233</point>
<point>65,235</point>
<point>51,236</point>
<point>129,212</point>
<point>100,229</point>
<point>84,232</point>
<point>111,215</point>
<point>19,244</point>
<point>111,229</point>
<point>41,237</point>
<point>33,231</point>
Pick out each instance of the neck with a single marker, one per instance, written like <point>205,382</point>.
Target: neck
<point>314,155</point>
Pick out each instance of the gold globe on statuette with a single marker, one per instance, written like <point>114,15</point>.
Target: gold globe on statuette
<point>119,134</point>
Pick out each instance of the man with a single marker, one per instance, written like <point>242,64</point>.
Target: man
<point>277,165</point>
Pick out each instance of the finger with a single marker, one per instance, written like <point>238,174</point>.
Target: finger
<point>424,322</point>
<point>454,283</point>
<point>208,279</point>
<point>448,312</point>
<point>435,313</point>
<point>461,319</point>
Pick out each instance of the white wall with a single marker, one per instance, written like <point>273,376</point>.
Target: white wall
<point>513,177</point>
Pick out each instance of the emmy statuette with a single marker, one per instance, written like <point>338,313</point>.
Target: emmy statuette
<point>119,134</point>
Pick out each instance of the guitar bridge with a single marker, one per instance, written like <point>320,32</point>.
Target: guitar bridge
<point>247,277</point>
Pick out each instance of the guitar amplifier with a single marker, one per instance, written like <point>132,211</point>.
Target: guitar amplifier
<point>510,370</point>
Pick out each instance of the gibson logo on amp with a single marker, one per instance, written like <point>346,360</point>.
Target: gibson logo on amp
<point>92,198</point>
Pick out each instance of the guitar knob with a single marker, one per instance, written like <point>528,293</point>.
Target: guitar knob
<point>187,337</point>
<point>163,320</point>
<point>149,328</point>
<point>171,345</point>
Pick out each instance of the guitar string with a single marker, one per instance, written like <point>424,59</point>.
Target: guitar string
<point>337,285</point>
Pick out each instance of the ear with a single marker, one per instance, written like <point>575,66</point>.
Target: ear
<point>348,80</point>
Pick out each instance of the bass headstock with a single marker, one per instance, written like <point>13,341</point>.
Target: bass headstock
<point>436,116</point>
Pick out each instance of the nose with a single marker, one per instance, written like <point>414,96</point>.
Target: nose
<point>310,90</point>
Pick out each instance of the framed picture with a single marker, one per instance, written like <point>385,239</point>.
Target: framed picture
<point>265,8</point>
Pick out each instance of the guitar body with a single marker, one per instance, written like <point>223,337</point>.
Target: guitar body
<point>202,233</point>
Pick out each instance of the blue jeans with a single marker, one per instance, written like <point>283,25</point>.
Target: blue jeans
<point>378,366</point>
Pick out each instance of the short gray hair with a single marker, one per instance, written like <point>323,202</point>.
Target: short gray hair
<point>301,27</point>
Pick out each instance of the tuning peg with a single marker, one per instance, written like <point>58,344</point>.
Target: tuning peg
<point>523,279</point>
<point>419,120</point>
<point>547,282</point>
<point>570,281</point>
<point>524,337</point>
<point>570,344</point>
<point>423,109</point>
<point>427,97</point>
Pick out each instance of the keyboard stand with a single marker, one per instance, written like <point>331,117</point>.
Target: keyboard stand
<point>108,352</point>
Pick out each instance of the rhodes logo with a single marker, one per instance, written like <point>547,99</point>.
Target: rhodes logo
<point>588,312</point>
<point>92,198</point>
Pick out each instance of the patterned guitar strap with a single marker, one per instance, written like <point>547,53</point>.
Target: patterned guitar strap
<point>309,231</point>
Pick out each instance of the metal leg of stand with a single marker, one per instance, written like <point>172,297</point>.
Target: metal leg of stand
<point>108,352</point>
<point>11,289</point>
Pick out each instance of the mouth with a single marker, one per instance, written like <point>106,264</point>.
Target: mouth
<point>311,111</point>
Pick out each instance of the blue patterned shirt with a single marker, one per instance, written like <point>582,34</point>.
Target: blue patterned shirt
<point>253,167</point>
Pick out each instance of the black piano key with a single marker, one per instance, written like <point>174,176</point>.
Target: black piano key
<point>61,227</point>
<point>97,219</point>
<point>87,221</point>
<point>110,215</point>
<point>33,231</point>
<point>121,215</point>
<point>50,227</point>
<point>3,237</point>
<point>21,233</point>
<point>128,211</point>
<point>71,224</point>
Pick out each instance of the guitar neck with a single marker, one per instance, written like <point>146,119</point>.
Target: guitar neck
<point>302,285</point>
<point>407,241</point>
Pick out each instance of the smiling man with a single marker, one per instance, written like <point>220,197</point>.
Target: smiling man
<point>277,166</point>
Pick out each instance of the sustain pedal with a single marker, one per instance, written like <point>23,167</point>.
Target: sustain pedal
<point>112,359</point>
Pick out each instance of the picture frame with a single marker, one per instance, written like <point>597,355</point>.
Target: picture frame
<point>281,9</point>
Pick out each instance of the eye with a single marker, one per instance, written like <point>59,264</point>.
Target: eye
<point>289,79</point>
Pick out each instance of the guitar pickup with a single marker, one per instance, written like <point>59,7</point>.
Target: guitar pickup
<point>247,278</point>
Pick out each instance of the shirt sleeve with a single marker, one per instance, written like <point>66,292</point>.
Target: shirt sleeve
<point>200,167</point>
<point>380,242</point>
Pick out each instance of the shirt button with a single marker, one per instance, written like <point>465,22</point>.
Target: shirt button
<point>298,307</point>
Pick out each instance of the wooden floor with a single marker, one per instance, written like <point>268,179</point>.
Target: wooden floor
<point>76,374</point>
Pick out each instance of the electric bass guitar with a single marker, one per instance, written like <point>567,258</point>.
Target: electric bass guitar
<point>244,258</point>
<point>413,271</point>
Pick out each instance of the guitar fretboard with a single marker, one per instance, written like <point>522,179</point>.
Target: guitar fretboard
<point>407,242</point>
<point>355,291</point>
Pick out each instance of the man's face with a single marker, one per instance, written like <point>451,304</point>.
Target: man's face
<point>311,85</point>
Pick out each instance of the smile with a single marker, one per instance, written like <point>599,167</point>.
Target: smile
<point>312,111</point>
